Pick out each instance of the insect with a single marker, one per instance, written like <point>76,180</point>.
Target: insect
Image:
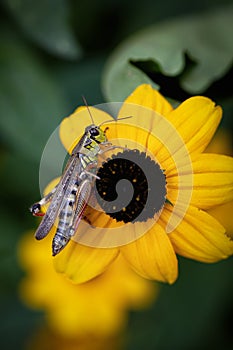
<point>70,197</point>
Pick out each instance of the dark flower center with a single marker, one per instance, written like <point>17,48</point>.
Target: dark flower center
<point>131,187</point>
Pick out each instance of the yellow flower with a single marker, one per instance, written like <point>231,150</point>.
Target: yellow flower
<point>222,143</point>
<point>96,308</point>
<point>183,183</point>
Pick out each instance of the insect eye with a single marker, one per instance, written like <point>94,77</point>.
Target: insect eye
<point>94,132</point>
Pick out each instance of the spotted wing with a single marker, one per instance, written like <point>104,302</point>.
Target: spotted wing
<point>82,198</point>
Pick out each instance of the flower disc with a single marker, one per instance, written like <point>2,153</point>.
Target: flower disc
<point>132,187</point>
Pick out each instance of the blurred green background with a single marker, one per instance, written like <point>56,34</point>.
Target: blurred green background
<point>51,53</point>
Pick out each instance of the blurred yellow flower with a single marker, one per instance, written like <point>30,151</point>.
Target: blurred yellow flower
<point>98,307</point>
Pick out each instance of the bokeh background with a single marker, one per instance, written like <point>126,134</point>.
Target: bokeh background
<point>54,51</point>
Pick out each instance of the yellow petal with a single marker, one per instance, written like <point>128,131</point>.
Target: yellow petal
<point>147,108</point>
<point>152,256</point>
<point>73,127</point>
<point>196,120</point>
<point>212,180</point>
<point>200,237</point>
<point>148,126</point>
<point>81,263</point>
<point>144,95</point>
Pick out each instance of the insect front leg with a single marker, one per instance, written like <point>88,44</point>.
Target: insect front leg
<point>110,147</point>
<point>87,171</point>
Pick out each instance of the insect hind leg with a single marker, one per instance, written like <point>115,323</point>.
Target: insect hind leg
<point>35,208</point>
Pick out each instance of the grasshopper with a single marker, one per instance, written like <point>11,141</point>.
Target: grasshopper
<point>70,197</point>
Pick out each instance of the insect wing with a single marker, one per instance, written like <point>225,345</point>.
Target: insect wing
<point>63,190</point>
<point>82,198</point>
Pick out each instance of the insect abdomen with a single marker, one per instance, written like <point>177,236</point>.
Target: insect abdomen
<point>62,235</point>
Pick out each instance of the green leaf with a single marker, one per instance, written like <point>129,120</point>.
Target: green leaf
<point>80,79</point>
<point>47,23</point>
<point>32,105</point>
<point>205,38</point>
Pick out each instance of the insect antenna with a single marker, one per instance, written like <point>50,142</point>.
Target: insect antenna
<point>113,120</point>
<point>106,121</point>
<point>86,104</point>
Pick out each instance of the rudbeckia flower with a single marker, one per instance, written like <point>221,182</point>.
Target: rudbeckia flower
<point>97,308</point>
<point>172,185</point>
